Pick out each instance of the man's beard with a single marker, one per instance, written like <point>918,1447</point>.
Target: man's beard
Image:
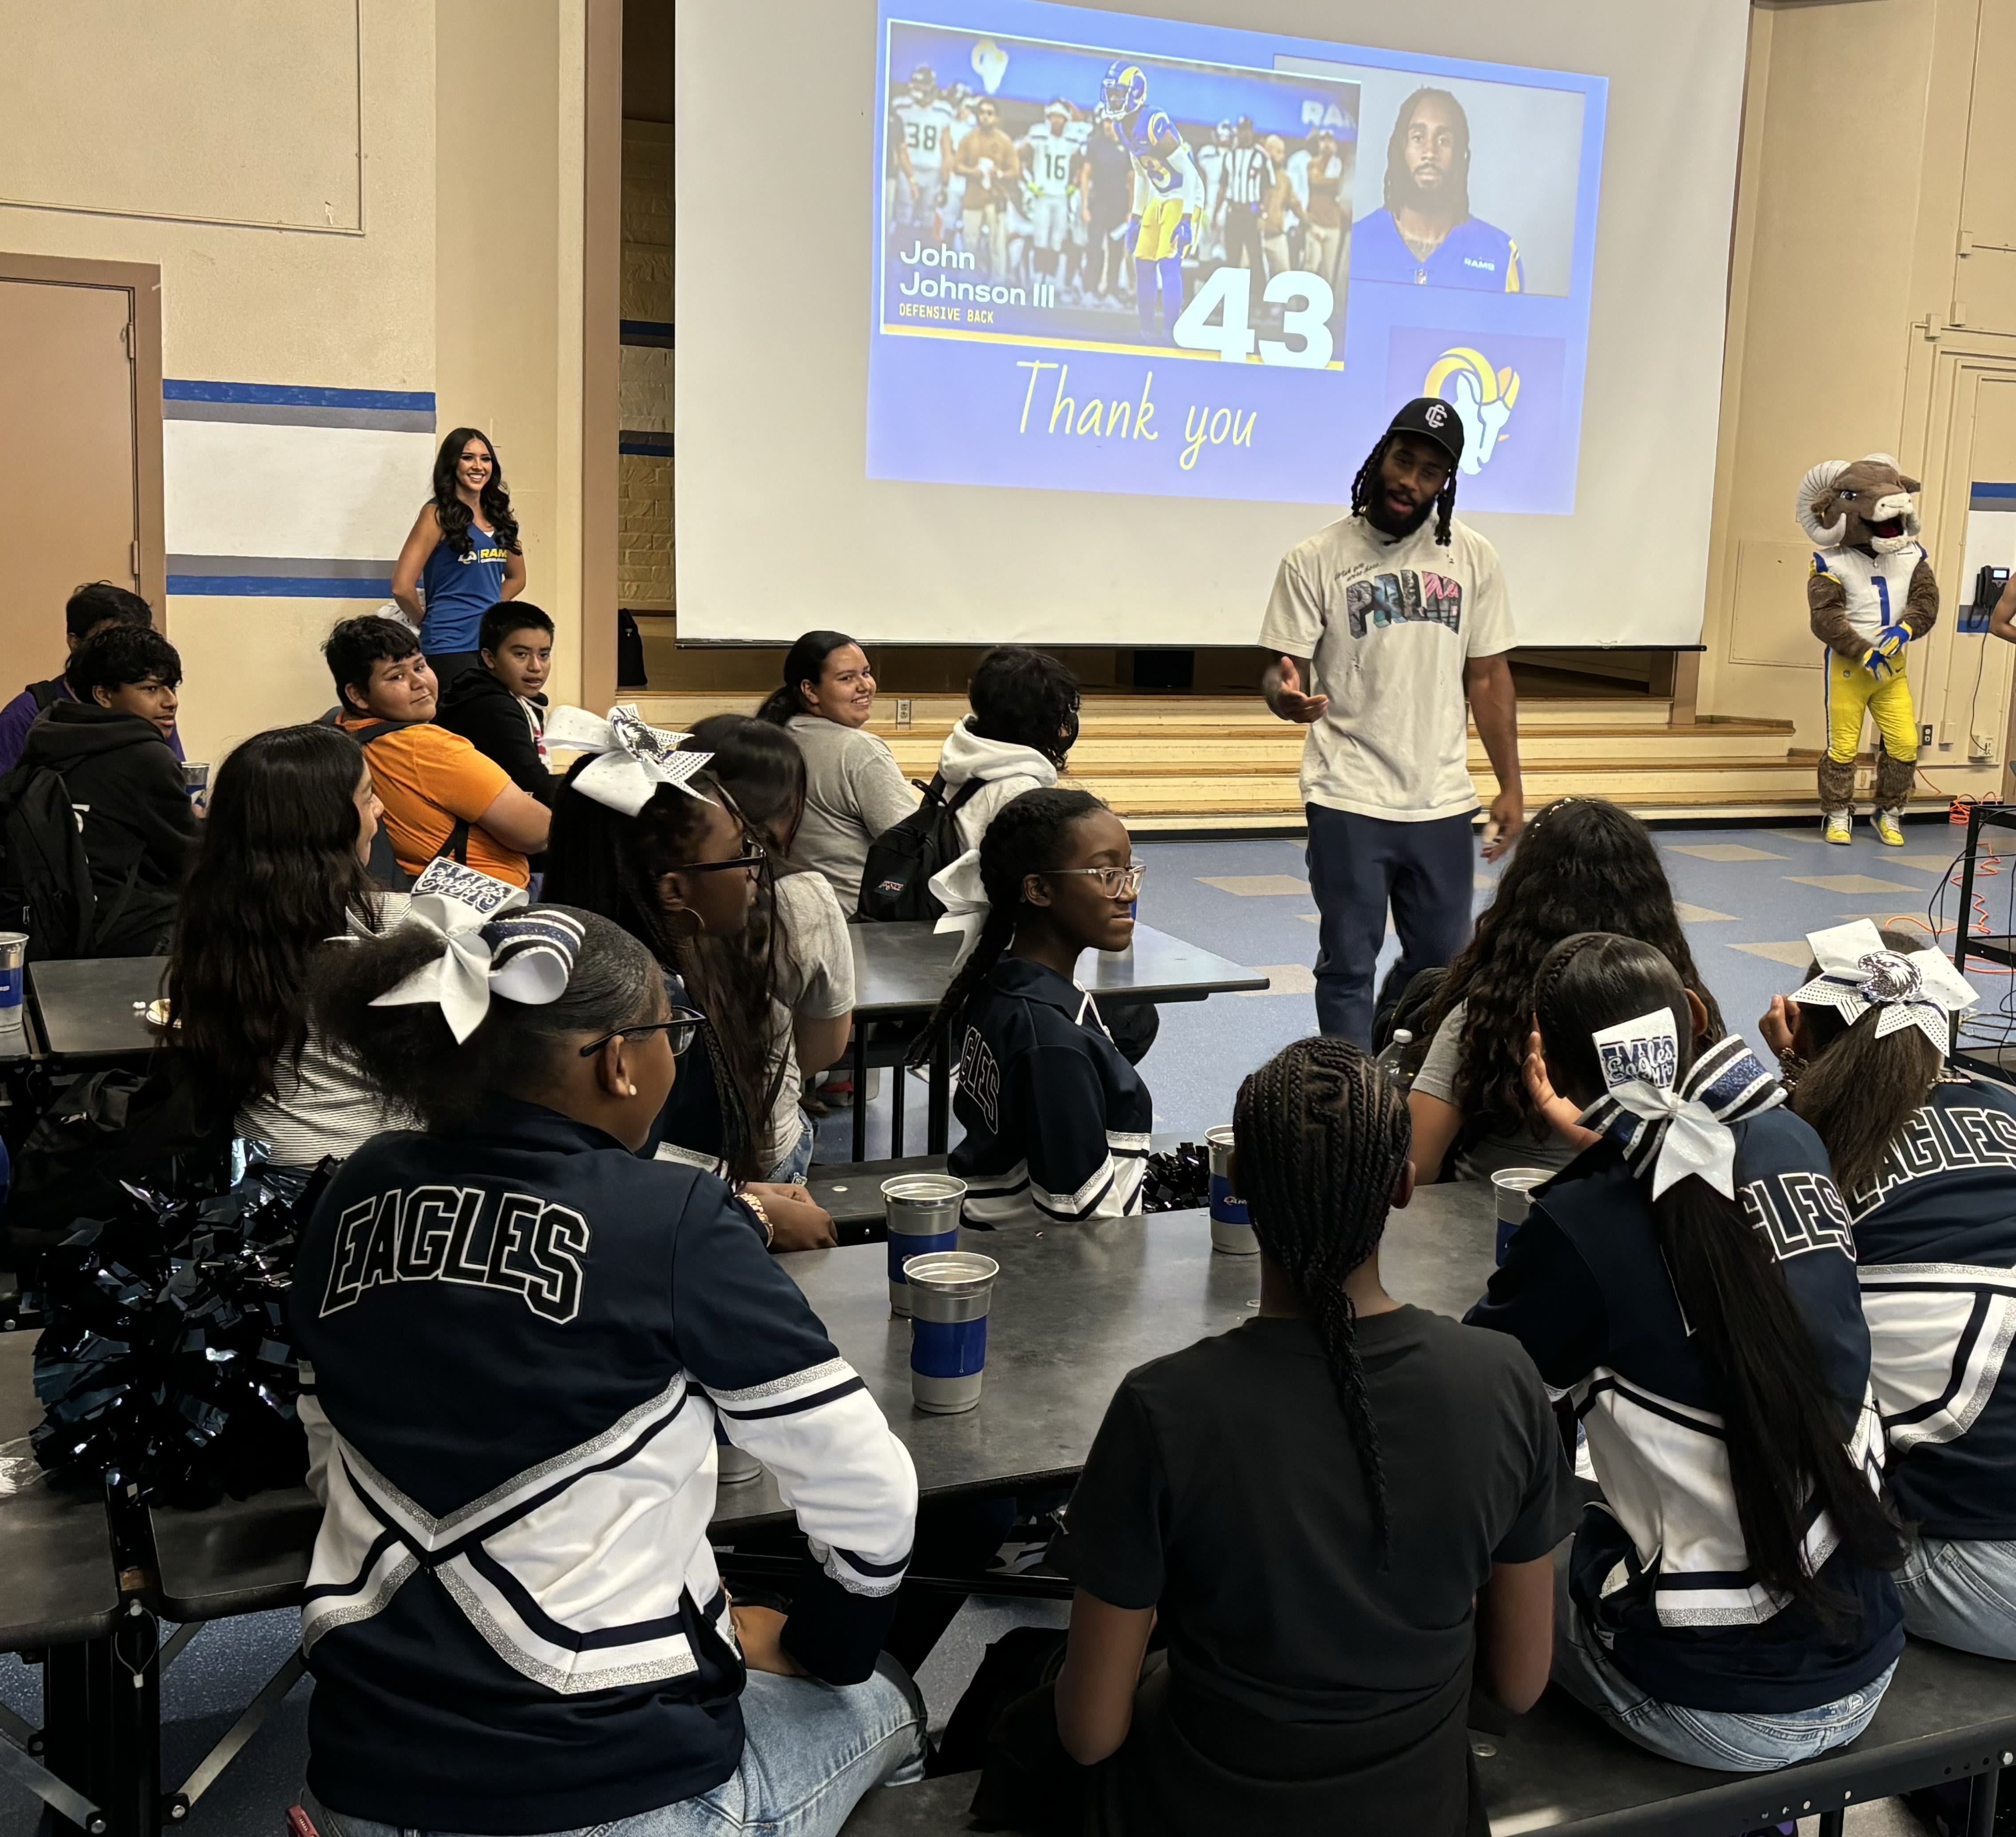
<point>1433,202</point>
<point>1381,519</point>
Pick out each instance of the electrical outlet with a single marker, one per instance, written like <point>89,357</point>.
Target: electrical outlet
<point>1925,733</point>
<point>902,711</point>
<point>1982,749</point>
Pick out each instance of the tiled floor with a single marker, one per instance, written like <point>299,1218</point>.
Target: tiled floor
<point>1747,896</point>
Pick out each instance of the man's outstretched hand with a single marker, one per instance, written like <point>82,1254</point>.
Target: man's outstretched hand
<point>1286,698</point>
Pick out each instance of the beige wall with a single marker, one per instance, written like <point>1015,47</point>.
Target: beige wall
<point>1856,325</point>
<point>644,567</point>
<point>277,159</point>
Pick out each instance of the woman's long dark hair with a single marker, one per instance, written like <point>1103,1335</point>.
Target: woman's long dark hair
<point>601,861</point>
<point>1322,1138</point>
<point>805,662</point>
<point>1582,865</point>
<point>452,514</point>
<point>1783,1429</point>
<point>1029,834</point>
<point>1860,1092</point>
<point>275,873</point>
<point>764,768</point>
<point>409,1052</point>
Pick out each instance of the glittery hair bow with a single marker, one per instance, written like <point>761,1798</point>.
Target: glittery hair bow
<point>1859,971</point>
<point>487,948</point>
<point>1669,1131</point>
<point>958,888</point>
<point>635,757</point>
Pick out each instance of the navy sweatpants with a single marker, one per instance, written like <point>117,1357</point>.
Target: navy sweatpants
<point>1358,866</point>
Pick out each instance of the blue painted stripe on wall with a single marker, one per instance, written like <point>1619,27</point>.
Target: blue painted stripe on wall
<point>646,331</point>
<point>1985,496</point>
<point>281,586</point>
<point>289,394</point>
<point>655,449</point>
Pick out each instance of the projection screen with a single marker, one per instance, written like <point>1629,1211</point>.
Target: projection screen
<point>1006,320</point>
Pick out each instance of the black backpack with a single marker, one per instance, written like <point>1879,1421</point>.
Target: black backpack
<point>46,887</point>
<point>895,880</point>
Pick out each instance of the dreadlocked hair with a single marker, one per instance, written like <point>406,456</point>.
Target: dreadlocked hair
<point>1029,834</point>
<point>1368,476</point>
<point>601,861</point>
<point>1323,1140</point>
<point>1582,865</point>
<point>1860,1092</point>
<point>1783,1427</point>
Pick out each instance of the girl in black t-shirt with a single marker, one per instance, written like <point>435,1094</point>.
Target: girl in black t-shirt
<point>1335,1511</point>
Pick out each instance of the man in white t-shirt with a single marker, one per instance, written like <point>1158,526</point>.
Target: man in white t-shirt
<point>1383,623</point>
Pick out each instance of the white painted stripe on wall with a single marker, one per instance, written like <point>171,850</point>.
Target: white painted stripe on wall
<point>236,488</point>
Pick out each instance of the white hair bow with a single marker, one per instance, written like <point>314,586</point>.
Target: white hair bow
<point>636,758</point>
<point>486,948</point>
<point>1859,971</point>
<point>1670,1131</point>
<point>958,888</point>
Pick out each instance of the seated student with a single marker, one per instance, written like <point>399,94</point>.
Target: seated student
<point>1057,1122</point>
<point>1330,1510</point>
<point>441,795</point>
<point>110,748</point>
<point>853,788</point>
<point>1582,865</point>
<point>1023,722</point>
<point>514,1619</point>
<point>496,704</point>
<point>796,932</point>
<point>279,873</point>
<point>94,608</point>
<point>1923,1154</point>
<point>1690,1281</point>
<point>645,836</point>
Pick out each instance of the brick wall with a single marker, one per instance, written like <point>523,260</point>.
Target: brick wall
<point>644,569</point>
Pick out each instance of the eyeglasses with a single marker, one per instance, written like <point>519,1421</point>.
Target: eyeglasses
<point>681,1027</point>
<point>754,859</point>
<point>1116,882</point>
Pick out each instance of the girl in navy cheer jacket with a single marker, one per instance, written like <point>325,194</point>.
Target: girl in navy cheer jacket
<point>516,1337</point>
<point>1689,1282</point>
<point>1925,1155</point>
<point>1057,1120</point>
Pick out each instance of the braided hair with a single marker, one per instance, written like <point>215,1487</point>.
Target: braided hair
<point>1324,1138</point>
<point>1029,834</point>
<point>604,861</point>
<point>1368,476</point>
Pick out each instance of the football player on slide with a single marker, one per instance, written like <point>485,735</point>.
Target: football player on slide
<point>1169,193</point>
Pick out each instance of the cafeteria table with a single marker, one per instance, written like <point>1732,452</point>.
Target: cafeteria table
<point>902,969</point>
<point>89,1008</point>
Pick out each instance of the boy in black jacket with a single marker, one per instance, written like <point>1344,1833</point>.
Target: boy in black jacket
<point>496,705</point>
<point>110,747</point>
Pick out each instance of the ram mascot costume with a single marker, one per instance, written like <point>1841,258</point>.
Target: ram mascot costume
<point>1870,593</point>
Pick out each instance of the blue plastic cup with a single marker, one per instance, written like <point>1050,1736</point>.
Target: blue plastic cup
<point>1515,1186</point>
<point>922,1212</point>
<point>950,1293</point>
<point>1231,1227</point>
<point>14,954</point>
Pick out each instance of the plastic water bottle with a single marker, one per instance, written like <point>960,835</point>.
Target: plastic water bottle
<point>1390,1057</point>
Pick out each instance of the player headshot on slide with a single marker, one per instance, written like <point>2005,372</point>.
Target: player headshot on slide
<point>1425,236</point>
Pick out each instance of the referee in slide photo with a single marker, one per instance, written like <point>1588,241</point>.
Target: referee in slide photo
<point>1382,625</point>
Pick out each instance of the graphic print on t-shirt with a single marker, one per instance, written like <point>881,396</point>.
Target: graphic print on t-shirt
<point>980,1077</point>
<point>1405,597</point>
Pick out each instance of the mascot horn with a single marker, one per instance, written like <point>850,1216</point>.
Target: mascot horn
<point>1871,593</point>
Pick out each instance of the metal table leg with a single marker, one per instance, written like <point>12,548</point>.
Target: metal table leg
<point>126,1721</point>
<point>1982,1788</point>
<point>938,1130</point>
<point>860,1094</point>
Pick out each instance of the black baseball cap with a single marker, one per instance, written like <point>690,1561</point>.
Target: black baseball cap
<point>1433,419</point>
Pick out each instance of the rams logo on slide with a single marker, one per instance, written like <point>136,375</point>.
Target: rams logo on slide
<point>1483,398</point>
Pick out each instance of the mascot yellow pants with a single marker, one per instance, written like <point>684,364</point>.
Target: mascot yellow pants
<point>1853,691</point>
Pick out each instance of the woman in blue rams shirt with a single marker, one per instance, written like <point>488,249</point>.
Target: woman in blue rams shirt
<point>463,554</point>
<point>1057,1120</point>
<point>517,1338</point>
<point>1925,1156</point>
<point>1689,1282</point>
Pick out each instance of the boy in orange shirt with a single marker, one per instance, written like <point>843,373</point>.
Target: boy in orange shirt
<point>441,796</point>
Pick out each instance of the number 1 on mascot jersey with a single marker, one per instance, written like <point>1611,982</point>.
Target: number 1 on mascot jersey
<point>1871,593</point>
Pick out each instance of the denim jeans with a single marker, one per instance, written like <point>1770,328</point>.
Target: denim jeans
<point>1962,1593</point>
<point>1728,1739</point>
<point>794,1165</point>
<point>810,1752</point>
